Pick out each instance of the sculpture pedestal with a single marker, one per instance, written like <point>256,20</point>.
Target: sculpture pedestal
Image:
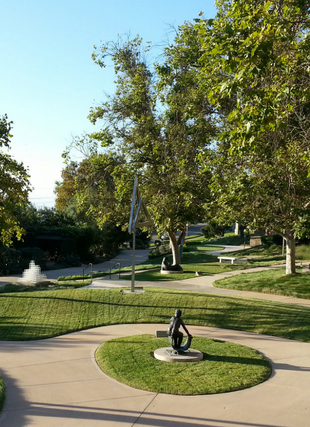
<point>171,271</point>
<point>166,354</point>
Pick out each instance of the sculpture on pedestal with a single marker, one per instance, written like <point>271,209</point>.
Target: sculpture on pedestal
<point>175,335</point>
<point>166,267</point>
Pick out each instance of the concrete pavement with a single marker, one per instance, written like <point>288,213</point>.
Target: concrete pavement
<point>56,382</point>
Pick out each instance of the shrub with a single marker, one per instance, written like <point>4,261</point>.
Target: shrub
<point>212,229</point>
<point>10,261</point>
<point>303,252</point>
<point>163,249</point>
<point>273,239</point>
<point>35,254</point>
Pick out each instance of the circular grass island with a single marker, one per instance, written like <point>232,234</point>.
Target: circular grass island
<point>225,367</point>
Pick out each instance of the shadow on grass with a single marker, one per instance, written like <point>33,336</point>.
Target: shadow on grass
<point>237,359</point>
<point>39,316</point>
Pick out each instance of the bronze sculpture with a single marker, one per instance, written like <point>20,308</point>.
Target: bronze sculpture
<point>166,266</point>
<point>175,335</point>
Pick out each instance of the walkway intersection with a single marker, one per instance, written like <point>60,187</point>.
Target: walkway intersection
<point>57,383</point>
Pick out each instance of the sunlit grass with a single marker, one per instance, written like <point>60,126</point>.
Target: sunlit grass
<point>270,282</point>
<point>225,367</point>
<point>202,262</point>
<point>43,314</point>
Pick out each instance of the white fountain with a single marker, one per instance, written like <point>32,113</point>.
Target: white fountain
<point>32,275</point>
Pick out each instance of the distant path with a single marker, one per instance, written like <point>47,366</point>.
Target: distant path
<point>124,258</point>
<point>205,284</point>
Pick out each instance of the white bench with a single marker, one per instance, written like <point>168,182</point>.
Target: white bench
<point>226,257</point>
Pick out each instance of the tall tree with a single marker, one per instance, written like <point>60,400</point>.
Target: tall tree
<point>159,137</point>
<point>256,55</point>
<point>65,190</point>
<point>95,188</point>
<point>14,186</point>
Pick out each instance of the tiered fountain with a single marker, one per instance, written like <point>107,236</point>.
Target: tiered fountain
<point>32,275</point>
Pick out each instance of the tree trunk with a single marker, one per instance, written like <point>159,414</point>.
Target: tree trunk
<point>175,248</point>
<point>290,252</point>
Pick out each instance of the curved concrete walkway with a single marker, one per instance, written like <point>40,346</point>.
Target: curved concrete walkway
<point>56,382</point>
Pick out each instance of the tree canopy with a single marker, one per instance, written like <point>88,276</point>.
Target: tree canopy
<point>150,123</point>
<point>222,122</point>
<point>256,56</point>
<point>15,186</point>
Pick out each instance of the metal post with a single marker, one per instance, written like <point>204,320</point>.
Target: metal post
<point>133,261</point>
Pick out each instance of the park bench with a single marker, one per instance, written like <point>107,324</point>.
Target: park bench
<point>231,259</point>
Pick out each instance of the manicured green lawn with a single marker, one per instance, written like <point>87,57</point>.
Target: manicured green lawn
<point>225,367</point>
<point>229,239</point>
<point>204,247</point>
<point>201,244</point>
<point>43,314</point>
<point>270,282</point>
<point>202,262</point>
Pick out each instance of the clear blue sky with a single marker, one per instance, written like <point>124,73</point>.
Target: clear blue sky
<point>48,81</point>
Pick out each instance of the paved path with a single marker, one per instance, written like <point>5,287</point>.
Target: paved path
<point>56,382</point>
<point>204,284</point>
<point>124,258</point>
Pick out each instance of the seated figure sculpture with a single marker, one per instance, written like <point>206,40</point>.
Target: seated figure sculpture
<point>175,335</point>
<point>166,266</point>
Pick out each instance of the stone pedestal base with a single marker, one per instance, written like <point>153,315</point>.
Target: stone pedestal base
<point>166,354</point>
<point>171,271</point>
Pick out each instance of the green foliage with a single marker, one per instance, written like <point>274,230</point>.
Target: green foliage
<point>15,187</point>
<point>154,128</point>
<point>73,283</point>
<point>230,239</point>
<point>255,62</point>
<point>273,239</point>
<point>64,240</point>
<point>64,190</point>
<point>10,288</point>
<point>130,360</point>
<point>10,260</point>
<point>159,250</point>
<point>111,236</point>
<point>213,229</point>
<point>59,233</point>
<point>303,252</point>
<point>13,261</point>
<point>67,241</point>
<point>5,131</point>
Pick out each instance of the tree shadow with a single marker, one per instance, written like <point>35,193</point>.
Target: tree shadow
<point>119,416</point>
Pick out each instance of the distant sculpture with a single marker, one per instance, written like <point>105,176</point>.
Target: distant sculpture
<point>166,266</point>
<point>175,335</point>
